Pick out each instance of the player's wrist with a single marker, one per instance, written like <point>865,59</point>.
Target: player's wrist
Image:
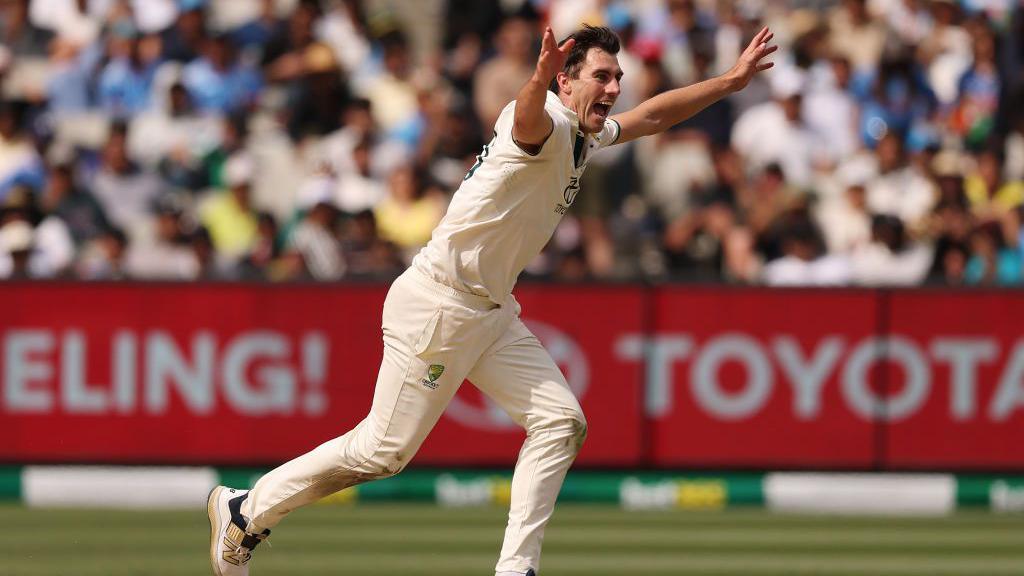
<point>731,81</point>
<point>542,78</point>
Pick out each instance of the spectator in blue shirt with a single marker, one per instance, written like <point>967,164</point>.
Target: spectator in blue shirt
<point>125,83</point>
<point>217,82</point>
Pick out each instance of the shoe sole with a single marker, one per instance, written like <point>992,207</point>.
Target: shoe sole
<point>211,512</point>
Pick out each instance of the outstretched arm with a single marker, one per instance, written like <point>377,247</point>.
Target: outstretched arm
<point>532,124</point>
<point>670,108</point>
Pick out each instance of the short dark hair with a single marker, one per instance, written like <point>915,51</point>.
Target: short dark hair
<point>586,38</point>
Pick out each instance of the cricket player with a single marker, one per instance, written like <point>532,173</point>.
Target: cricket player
<point>451,316</point>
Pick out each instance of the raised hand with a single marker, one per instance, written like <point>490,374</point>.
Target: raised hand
<point>750,62</point>
<point>552,56</point>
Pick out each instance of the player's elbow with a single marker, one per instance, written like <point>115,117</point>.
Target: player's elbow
<point>654,123</point>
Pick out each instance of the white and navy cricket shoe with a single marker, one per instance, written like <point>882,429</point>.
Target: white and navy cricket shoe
<point>230,545</point>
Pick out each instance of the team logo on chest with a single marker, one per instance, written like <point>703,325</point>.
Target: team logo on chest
<point>579,150</point>
<point>569,195</point>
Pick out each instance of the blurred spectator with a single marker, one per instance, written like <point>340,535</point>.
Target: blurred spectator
<point>265,250</point>
<point>282,56</point>
<point>48,250</point>
<point>897,188</point>
<point>217,81</point>
<point>183,41</point>
<point>951,266</point>
<point>233,138</point>
<point>72,21</point>
<point>315,243</point>
<point>765,205</point>
<point>54,248</point>
<point>18,34</point>
<point>989,193</point>
<point>677,26</point>
<point>124,190</point>
<point>126,81</point>
<point>342,27</point>
<point>978,93</point>
<point>165,253</point>
<point>946,50</point>
<point>366,253</point>
<point>19,161</point>
<point>890,259</point>
<point>993,261</point>
<point>104,257</point>
<point>174,141</point>
<point>831,112</point>
<point>694,242</point>
<point>803,262</point>
<point>450,145</point>
<point>409,213</point>
<point>72,74</point>
<point>781,120</point>
<point>259,32</point>
<point>356,189</point>
<point>498,80</point>
<point>228,215</point>
<point>315,93</point>
<point>212,264</point>
<point>846,222</point>
<point>392,93</point>
<point>895,100</point>
<point>78,210</point>
<point>317,97</point>
<point>909,20</point>
<point>16,245</point>
<point>856,34</point>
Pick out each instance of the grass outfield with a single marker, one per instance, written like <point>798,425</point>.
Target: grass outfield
<point>416,539</point>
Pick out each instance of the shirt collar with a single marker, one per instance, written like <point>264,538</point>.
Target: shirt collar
<point>554,100</point>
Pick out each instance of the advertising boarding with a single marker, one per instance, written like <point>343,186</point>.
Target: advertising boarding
<point>669,377</point>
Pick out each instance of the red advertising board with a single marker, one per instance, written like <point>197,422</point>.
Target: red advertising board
<point>259,374</point>
<point>668,376</point>
<point>965,409</point>
<point>183,373</point>
<point>750,378</point>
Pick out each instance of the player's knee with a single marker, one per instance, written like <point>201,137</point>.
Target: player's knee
<point>570,429</point>
<point>579,430</point>
<point>387,464</point>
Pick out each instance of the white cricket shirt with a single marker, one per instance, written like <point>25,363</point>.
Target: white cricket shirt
<point>509,203</point>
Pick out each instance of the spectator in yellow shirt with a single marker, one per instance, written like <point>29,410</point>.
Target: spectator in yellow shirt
<point>988,193</point>
<point>228,214</point>
<point>410,211</point>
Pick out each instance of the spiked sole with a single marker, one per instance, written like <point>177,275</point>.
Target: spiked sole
<point>211,512</point>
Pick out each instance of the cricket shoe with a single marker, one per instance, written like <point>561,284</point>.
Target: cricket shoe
<point>230,545</point>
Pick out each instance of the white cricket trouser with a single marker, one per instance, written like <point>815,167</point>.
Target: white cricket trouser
<point>426,326</point>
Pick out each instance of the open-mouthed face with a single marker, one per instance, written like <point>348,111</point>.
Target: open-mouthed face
<point>594,91</point>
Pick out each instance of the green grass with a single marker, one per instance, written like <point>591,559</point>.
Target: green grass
<point>394,540</point>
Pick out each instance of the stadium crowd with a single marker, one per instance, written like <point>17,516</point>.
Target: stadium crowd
<point>320,140</point>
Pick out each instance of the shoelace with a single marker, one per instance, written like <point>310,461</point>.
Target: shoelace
<point>243,553</point>
<point>246,553</point>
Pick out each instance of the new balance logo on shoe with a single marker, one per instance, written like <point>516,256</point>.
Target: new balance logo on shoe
<point>230,545</point>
